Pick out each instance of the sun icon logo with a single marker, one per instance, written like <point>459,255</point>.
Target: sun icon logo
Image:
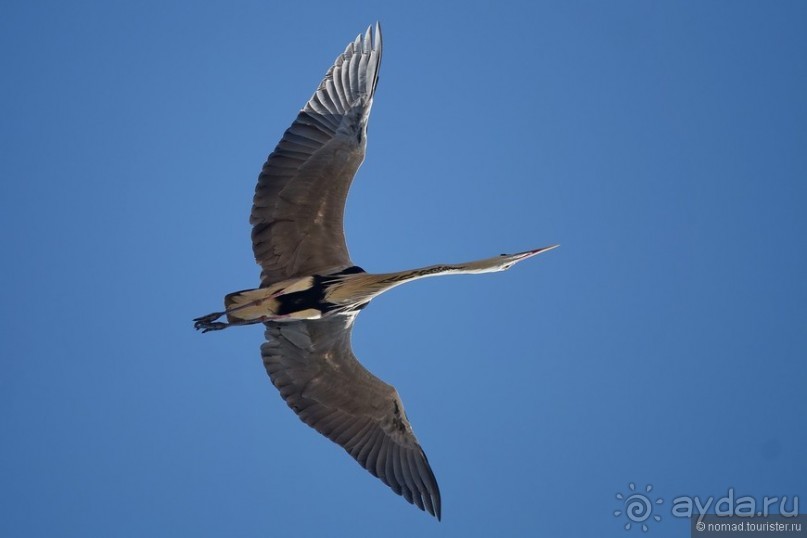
<point>638,507</point>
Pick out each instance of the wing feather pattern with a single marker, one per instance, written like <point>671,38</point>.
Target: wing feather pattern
<point>312,365</point>
<point>298,208</point>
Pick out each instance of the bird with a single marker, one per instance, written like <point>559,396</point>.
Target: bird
<point>311,292</point>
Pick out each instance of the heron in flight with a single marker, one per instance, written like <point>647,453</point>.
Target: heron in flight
<point>311,291</point>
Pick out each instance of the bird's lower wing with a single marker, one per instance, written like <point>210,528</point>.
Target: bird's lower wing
<point>312,365</point>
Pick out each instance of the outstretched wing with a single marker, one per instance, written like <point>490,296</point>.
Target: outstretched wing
<point>313,366</point>
<point>300,198</point>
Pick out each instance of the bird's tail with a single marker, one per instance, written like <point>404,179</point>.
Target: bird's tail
<point>250,305</point>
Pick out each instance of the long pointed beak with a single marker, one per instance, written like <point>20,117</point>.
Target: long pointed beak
<point>530,253</point>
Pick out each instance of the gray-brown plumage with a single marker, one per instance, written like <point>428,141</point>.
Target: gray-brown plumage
<point>313,366</point>
<point>311,292</point>
<point>300,198</point>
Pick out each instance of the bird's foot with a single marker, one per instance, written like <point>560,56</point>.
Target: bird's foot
<point>208,323</point>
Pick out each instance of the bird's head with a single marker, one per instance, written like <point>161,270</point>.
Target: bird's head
<point>504,262</point>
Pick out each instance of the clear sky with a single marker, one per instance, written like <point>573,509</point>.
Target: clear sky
<point>662,144</point>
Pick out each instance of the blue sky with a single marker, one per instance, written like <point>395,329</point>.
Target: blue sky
<point>662,144</point>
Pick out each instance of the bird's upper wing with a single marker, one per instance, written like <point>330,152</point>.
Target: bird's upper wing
<point>313,366</point>
<point>300,197</point>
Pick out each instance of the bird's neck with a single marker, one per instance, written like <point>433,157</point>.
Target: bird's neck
<point>366,286</point>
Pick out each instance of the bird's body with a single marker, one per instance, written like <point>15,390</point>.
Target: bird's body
<point>344,292</point>
<point>311,292</point>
